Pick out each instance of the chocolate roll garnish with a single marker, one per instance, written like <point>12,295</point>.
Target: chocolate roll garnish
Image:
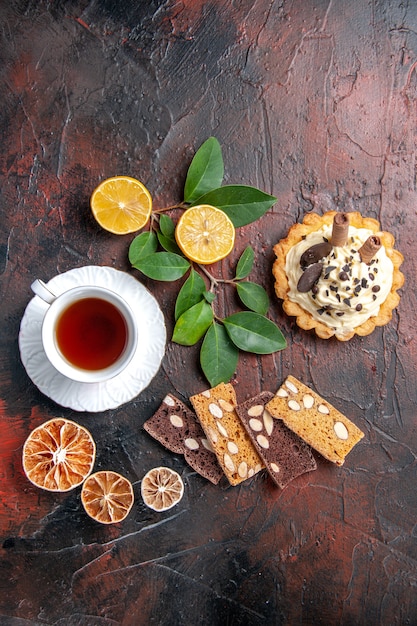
<point>340,229</point>
<point>369,249</point>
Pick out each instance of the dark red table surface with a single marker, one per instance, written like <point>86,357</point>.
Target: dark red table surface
<point>312,101</point>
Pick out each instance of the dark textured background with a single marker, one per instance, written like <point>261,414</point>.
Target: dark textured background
<point>313,101</point>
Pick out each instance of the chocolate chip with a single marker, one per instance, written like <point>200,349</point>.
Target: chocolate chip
<point>358,307</point>
<point>340,313</point>
<point>371,276</point>
<point>315,253</point>
<point>364,283</point>
<point>328,270</point>
<point>376,288</point>
<point>344,276</point>
<point>346,301</point>
<point>310,276</point>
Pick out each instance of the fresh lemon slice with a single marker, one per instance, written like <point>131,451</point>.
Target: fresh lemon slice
<point>121,205</point>
<point>162,488</point>
<point>205,234</point>
<point>107,497</point>
<point>58,455</point>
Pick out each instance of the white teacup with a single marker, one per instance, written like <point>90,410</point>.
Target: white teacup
<point>89,333</point>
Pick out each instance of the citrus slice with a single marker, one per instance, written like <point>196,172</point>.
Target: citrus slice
<point>58,455</point>
<point>162,488</point>
<point>121,205</point>
<point>205,234</point>
<point>107,497</point>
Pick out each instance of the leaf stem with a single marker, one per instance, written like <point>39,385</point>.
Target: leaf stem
<point>180,205</point>
<point>215,282</point>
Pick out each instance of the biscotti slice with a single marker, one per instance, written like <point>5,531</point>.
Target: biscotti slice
<point>316,421</point>
<point>285,455</point>
<point>176,427</point>
<point>236,454</point>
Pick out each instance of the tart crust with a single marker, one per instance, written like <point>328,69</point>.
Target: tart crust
<point>311,223</point>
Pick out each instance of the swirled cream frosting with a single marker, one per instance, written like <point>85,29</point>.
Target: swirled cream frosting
<point>348,291</point>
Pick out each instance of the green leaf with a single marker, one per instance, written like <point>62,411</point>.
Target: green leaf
<point>253,296</point>
<point>190,293</point>
<point>164,266</point>
<point>142,246</point>
<point>245,263</point>
<point>192,324</point>
<point>209,296</point>
<point>166,234</point>
<point>168,243</point>
<point>218,355</point>
<point>166,225</point>
<point>243,204</point>
<point>254,333</point>
<point>205,172</point>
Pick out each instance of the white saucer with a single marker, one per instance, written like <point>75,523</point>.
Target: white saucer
<point>127,385</point>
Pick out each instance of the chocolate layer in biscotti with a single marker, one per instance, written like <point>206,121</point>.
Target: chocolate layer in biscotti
<point>176,427</point>
<point>285,455</point>
<point>215,408</point>
<point>315,420</point>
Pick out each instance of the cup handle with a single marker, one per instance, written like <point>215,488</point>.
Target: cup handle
<point>40,289</point>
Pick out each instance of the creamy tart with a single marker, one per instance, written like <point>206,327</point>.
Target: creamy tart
<point>338,274</point>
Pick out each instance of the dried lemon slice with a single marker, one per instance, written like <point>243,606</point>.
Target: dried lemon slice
<point>121,205</point>
<point>58,455</point>
<point>162,488</point>
<point>205,234</point>
<point>107,497</point>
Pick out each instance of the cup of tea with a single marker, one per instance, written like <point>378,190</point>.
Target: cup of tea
<point>89,333</point>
